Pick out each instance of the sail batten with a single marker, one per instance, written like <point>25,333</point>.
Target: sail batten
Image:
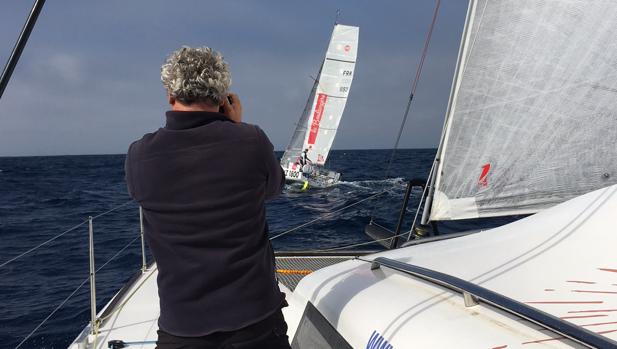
<point>531,121</point>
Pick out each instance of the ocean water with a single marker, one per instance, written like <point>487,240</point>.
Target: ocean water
<point>41,197</point>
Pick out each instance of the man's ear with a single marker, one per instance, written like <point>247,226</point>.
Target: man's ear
<point>171,100</point>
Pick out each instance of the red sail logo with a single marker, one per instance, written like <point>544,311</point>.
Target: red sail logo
<point>321,102</point>
<point>483,180</point>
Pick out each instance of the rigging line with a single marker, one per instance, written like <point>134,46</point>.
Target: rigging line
<point>111,210</point>
<point>60,235</point>
<point>326,215</point>
<point>42,244</point>
<point>118,253</point>
<point>358,244</point>
<point>73,293</point>
<point>52,313</point>
<point>414,84</point>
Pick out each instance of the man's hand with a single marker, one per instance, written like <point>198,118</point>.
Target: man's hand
<point>233,110</point>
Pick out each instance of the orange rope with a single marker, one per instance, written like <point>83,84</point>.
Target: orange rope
<point>294,271</point>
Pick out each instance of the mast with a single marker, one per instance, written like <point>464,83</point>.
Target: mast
<point>294,148</point>
<point>19,46</point>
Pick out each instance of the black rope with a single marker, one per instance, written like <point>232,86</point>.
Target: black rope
<point>414,85</point>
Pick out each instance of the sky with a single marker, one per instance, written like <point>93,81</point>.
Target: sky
<point>88,81</point>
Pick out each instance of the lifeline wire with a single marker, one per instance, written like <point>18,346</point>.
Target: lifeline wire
<point>112,210</point>
<point>325,216</point>
<point>358,244</point>
<point>62,234</point>
<point>52,313</point>
<point>118,253</point>
<point>73,293</point>
<point>43,244</point>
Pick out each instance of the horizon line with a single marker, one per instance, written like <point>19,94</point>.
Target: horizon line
<point>108,154</point>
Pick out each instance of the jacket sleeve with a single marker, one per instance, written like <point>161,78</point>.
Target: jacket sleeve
<point>128,173</point>
<point>275,177</point>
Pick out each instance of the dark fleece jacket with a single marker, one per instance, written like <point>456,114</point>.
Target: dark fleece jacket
<point>202,182</point>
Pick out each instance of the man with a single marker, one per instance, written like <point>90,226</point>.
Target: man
<point>307,167</point>
<point>202,181</point>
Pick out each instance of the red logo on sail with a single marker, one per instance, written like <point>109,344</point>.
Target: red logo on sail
<point>317,114</point>
<point>347,48</point>
<point>483,180</point>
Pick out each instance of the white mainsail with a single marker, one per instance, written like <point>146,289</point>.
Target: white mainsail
<point>531,121</point>
<point>319,121</point>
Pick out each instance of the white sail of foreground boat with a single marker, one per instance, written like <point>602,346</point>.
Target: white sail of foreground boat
<point>545,281</point>
<point>532,116</point>
<point>307,152</point>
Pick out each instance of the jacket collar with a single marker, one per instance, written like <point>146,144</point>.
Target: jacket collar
<point>181,120</point>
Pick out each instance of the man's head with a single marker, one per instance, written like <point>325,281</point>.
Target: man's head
<point>196,76</point>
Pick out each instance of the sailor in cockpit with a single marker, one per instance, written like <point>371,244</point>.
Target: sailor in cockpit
<point>305,163</point>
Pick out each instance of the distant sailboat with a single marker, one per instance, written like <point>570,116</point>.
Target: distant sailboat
<point>306,155</point>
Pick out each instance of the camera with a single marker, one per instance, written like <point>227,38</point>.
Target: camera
<point>221,110</point>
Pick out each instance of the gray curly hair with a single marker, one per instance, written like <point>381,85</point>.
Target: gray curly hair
<point>196,75</point>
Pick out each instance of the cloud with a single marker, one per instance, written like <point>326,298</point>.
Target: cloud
<point>59,66</point>
<point>88,81</point>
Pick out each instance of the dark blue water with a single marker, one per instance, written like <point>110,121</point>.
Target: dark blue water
<point>41,197</point>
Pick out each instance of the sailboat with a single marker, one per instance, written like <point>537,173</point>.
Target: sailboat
<point>528,131</point>
<point>307,152</point>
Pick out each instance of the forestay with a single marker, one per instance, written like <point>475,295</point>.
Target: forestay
<point>319,122</point>
<point>532,119</point>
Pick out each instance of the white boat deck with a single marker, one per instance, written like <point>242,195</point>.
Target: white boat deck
<point>133,313</point>
<point>133,319</point>
<point>562,261</point>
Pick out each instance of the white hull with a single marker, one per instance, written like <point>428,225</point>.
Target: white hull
<point>318,178</point>
<point>562,261</point>
<point>294,173</point>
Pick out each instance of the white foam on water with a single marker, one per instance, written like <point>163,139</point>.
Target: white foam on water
<point>376,184</point>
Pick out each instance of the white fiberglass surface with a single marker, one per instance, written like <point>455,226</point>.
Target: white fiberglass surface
<point>562,261</point>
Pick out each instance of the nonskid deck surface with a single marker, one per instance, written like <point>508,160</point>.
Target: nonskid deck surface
<point>291,269</point>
